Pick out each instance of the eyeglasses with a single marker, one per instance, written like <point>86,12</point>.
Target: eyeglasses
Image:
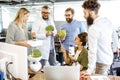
<point>45,12</point>
<point>68,15</point>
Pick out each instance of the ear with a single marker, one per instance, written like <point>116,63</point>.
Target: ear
<point>72,15</point>
<point>80,43</point>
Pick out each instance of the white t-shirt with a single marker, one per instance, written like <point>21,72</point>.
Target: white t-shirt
<point>77,54</point>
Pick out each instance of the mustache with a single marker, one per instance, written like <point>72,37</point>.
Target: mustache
<point>69,20</point>
<point>45,18</point>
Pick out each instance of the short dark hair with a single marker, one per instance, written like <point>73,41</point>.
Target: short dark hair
<point>92,5</point>
<point>45,7</point>
<point>70,9</point>
<point>83,38</point>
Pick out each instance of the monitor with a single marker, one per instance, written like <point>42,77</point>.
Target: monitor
<point>18,56</point>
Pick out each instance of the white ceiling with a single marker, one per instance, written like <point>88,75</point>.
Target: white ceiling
<point>15,2</point>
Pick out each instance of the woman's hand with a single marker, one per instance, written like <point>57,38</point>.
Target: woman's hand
<point>26,44</point>
<point>63,49</point>
<point>84,73</point>
<point>23,43</point>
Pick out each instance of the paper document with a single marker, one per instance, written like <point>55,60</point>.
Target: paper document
<point>99,78</point>
<point>71,50</point>
<point>35,43</point>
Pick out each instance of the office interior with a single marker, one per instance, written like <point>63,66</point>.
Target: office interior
<point>8,9</point>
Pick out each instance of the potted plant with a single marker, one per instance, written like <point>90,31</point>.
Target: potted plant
<point>34,59</point>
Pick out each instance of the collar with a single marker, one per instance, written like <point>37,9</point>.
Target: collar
<point>96,19</point>
<point>71,21</point>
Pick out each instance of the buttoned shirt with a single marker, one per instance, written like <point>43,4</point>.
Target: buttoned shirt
<point>72,29</point>
<point>99,40</point>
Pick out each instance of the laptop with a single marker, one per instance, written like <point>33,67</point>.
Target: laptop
<point>62,72</point>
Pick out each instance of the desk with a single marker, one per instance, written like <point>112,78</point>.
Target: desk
<point>39,76</point>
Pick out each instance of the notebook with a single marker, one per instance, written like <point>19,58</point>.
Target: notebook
<point>62,72</point>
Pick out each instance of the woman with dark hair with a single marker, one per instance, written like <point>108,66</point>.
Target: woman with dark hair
<point>81,54</point>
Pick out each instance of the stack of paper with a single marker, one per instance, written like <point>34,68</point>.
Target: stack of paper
<point>35,43</point>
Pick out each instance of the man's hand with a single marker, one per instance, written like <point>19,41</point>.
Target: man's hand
<point>62,38</point>
<point>49,33</point>
<point>33,35</point>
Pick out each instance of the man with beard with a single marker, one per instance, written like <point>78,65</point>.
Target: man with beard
<point>100,33</point>
<point>72,28</point>
<point>39,32</point>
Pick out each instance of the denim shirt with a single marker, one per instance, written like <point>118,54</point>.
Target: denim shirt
<point>72,29</point>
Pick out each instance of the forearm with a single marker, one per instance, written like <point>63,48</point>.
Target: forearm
<point>81,67</point>
<point>67,57</point>
<point>22,43</point>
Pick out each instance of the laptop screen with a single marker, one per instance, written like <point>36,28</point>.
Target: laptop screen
<point>62,72</point>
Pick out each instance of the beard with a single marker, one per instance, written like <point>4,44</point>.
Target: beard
<point>89,20</point>
<point>45,18</point>
<point>69,20</point>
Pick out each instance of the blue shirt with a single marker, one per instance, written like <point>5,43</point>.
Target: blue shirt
<point>72,30</point>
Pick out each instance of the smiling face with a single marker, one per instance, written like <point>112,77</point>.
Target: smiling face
<point>81,39</point>
<point>77,41</point>
<point>68,16</point>
<point>45,13</point>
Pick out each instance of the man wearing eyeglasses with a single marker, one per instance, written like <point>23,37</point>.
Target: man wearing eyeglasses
<point>39,32</point>
<point>73,28</point>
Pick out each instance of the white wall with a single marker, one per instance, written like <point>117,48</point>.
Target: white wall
<point>109,9</point>
<point>59,10</point>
